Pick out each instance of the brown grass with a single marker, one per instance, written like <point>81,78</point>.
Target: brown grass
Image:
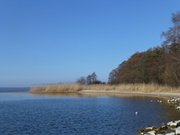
<point>65,88</point>
<point>146,88</point>
<point>62,88</point>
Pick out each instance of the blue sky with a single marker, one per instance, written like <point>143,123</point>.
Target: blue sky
<point>49,41</point>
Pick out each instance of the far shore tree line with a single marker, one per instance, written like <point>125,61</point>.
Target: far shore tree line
<point>160,65</point>
<point>90,79</point>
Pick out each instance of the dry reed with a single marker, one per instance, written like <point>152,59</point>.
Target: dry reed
<point>65,88</point>
<point>62,88</point>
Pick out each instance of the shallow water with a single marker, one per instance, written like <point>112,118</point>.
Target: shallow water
<point>26,114</point>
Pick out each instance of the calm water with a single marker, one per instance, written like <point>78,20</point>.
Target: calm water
<point>25,114</point>
<point>23,89</point>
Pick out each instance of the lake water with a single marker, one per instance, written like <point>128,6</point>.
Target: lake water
<point>26,114</point>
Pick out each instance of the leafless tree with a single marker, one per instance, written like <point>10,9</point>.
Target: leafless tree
<point>173,34</point>
<point>81,80</point>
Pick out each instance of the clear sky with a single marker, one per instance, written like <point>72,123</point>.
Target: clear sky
<point>49,41</point>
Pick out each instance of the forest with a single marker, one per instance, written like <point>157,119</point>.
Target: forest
<point>159,65</point>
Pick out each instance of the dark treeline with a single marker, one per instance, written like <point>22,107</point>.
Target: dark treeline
<point>90,79</point>
<point>159,65</point>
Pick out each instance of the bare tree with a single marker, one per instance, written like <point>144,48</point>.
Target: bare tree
<point>172,51</point>
<point>89,79</point>
<point>113,77</point>
<point>81,80</point>
<point>173,34</point>
<point>92,78</point>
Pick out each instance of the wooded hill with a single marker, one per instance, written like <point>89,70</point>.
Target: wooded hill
<point>159,65</point>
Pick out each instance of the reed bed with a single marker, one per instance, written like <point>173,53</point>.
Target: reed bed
<point>146,88</point>
<point>73,88</point>
<point>61,88</point>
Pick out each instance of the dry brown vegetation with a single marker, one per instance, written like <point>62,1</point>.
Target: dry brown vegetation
<point>160,65</point>
<point>61,88</point>
<point>74,88</point>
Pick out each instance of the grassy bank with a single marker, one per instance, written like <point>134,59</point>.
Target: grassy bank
<point>65,88</point>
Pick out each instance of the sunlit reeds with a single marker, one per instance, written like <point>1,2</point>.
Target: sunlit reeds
<point>145,88</point>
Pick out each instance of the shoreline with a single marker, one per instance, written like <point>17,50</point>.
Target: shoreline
<point>163,95</point>
<point>130,93</point>
<point>116,90</point>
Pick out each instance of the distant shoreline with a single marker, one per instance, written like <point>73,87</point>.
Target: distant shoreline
<point>152,90</point>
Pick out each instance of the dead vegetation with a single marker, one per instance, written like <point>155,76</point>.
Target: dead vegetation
<point>74,88</point>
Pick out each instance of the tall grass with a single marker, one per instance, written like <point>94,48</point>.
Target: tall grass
<point>62,88</point>
<point>145,88</point>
